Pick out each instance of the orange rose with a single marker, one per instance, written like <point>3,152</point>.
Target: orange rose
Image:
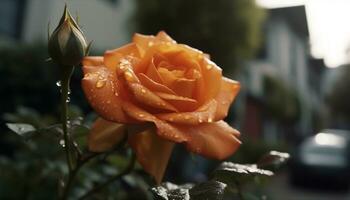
<point>173,86</point>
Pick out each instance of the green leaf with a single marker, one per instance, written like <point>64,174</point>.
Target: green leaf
<point>231,173</point>
<point>170,191</point>
<point>24,130</point>
<point>273,160</point>
<point>210,190</point>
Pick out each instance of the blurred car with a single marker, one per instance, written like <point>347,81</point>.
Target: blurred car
<point>322,159</point>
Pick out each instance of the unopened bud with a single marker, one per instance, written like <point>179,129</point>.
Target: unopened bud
<point>67,44</point>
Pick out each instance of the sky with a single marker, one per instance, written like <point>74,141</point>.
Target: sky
<point>329,27</point>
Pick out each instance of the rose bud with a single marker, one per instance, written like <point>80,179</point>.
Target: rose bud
<point>67,44</point>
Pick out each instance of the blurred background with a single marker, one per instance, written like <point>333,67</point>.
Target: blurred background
<point>291,57</point>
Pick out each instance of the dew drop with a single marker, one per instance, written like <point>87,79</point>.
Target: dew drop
<point>68,99</point>
<point>58,83</point>
<point>100,83</point>
<point>200,120</point>
<point>141,115</point>
<point>143,91</point>
<point>62,143</point>
<point>209,66</point>
<point>116,94</point>
<point>108,102</point>
<point>210,120</point>
<point>150,44</point>
<point>128,74</point>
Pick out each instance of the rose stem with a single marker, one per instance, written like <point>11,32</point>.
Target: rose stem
<point>83,159</point>
<point>126,171</point>
<point>65,80</point>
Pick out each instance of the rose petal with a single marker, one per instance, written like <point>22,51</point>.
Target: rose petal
<point>102,89</point>
<point>104,135</point>
<point>181,103</point>
<point>205,113</point>
<point>184,87</point>
<point>213,140</point>
<point>152,152</point>
<point>228,91</point>
<point>154,86</point>
<point>210,83</point>
<point>169,77</point>
<point>92,61</point>
<point>164,129</point>
<point>162,36</point>
<point>143,42</point>
<point>112,57</point>
<point>145,96</point>
<point>146,41</point>
<point>153,74</point>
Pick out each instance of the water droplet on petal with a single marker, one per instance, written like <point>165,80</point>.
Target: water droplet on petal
<point>210,120</point>
<point>141,115</point>
<point>108,102</point>
<point>200,120</point>
<point>100,83</point>
<point>143,91</point>
<point>209,66</point>
<point>150,44</point>
<point>116,94</point>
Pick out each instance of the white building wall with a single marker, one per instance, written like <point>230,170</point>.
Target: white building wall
<point>103,22</point>
<point>287,59</point>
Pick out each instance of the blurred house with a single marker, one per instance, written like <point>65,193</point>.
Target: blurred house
<point>27,20</point>
<point>283,94</point>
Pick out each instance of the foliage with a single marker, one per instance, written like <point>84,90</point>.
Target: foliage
<point>39,165</point>
<point>228,30</point>
<point>282,101</point>
<point>338,97</point>
<point>28,80</point>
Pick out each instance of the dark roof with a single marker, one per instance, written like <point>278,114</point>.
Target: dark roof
<point>295,16</point>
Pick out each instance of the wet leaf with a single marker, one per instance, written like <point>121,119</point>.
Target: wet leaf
<point>24,130</point>
<point>210,190</point>
<point>170,191</point>
<point>273,160</point>
<point>231,173</point>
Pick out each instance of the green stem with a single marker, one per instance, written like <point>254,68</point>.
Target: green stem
<point>126,171</point>
<point>65,81</point>
<point>239,190</point>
